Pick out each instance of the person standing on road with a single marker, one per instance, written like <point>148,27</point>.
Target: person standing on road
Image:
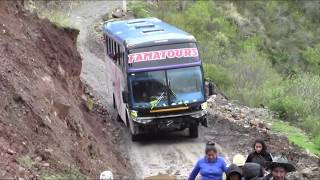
<point>212,166</point>
<point>279,168</point>
<point>260,154</point>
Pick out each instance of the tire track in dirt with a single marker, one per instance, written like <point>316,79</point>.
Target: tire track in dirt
<point>173,154</point>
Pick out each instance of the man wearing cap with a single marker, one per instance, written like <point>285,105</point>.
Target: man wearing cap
<point>279,168</point>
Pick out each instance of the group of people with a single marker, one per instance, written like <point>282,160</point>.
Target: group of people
<point>259,165</point>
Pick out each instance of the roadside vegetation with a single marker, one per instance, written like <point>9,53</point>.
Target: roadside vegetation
<point>71,173</point>
<point>57,11</point>
<point>261,53</point>
<point>295,135</point>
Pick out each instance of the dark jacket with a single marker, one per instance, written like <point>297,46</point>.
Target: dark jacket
<point>269,176</point>
<point>260,158</point>
<point>233,168</point>
<point>252,170</point>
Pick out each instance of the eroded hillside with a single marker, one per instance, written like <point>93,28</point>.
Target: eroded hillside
<point>46,129</point>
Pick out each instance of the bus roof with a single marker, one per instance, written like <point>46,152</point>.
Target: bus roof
<point>144,32</point>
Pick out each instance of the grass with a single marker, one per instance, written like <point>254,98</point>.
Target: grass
<point>295,136</point>
<point>71,173</point>
<point>26,161</point>
<point>58,18</point>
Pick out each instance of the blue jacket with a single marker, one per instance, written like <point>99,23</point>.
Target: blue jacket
<point>209,170</point>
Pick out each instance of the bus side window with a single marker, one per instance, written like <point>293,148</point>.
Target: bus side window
<point>108,44</point>
<point>114,52</point>
<point>121,60</point>
<point>118,55</point>
<point>111,48</point>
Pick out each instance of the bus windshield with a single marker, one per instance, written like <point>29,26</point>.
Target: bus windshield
<point>165,88</point>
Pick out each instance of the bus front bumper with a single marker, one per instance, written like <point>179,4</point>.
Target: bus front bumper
<point>177,120</point>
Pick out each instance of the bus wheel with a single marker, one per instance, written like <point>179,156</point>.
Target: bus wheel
<point>193,130</point>
<point>135,137</point>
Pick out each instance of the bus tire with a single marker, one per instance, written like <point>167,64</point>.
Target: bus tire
<point>119,118</point>
<point>193,131</point>
<point>135,137</point>
<point>127,121</point>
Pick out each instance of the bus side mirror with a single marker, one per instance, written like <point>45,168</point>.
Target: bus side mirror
<point>125,97</point>
<point>211,88</point>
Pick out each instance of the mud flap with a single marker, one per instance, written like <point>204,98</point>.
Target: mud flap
<point>135,136</point>
<point>132,127</point>
<point>204,122</point>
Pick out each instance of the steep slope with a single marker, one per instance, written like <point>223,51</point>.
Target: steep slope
<point>45,127</point>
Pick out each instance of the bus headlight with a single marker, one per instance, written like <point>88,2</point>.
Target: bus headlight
<point>134,114</point>
<point>204,106</point>
<point>199,114</point>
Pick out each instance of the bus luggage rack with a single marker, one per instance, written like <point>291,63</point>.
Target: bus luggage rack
<point>144,26</point>
<point>135,22</point>
<point>152,30</point>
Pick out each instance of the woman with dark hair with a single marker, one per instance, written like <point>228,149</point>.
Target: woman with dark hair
<point>211,166</point>
<point>260,154</point>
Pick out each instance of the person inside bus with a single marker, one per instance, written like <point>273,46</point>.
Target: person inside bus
<point>211,166</point>
<point>139,92</point>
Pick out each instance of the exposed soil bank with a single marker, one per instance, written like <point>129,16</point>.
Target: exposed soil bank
<point>45,125</point>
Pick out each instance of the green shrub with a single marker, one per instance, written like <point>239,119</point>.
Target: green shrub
<point>139,8</point>
<point>312,125</point>
<point>317,141</point>
<point>58,18</point>
<point>312,57</point>
<point>290,108</point>
<point>298,100</point>
<point>218,75</point>
<point>252,76</point>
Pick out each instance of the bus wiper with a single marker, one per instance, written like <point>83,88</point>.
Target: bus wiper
<point>154,103</point>
<point>174,94</point>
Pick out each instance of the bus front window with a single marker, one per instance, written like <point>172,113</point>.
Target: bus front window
<point>185,85</point>
<point>164,88</point>
<point>149,87</point>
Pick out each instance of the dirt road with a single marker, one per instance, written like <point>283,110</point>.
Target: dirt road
<point>171,154</point>
<point>174,153</point>
<point>93,67</point>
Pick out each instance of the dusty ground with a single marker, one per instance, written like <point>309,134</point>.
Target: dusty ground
<point>46,129</point>
<point>234,132</point>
